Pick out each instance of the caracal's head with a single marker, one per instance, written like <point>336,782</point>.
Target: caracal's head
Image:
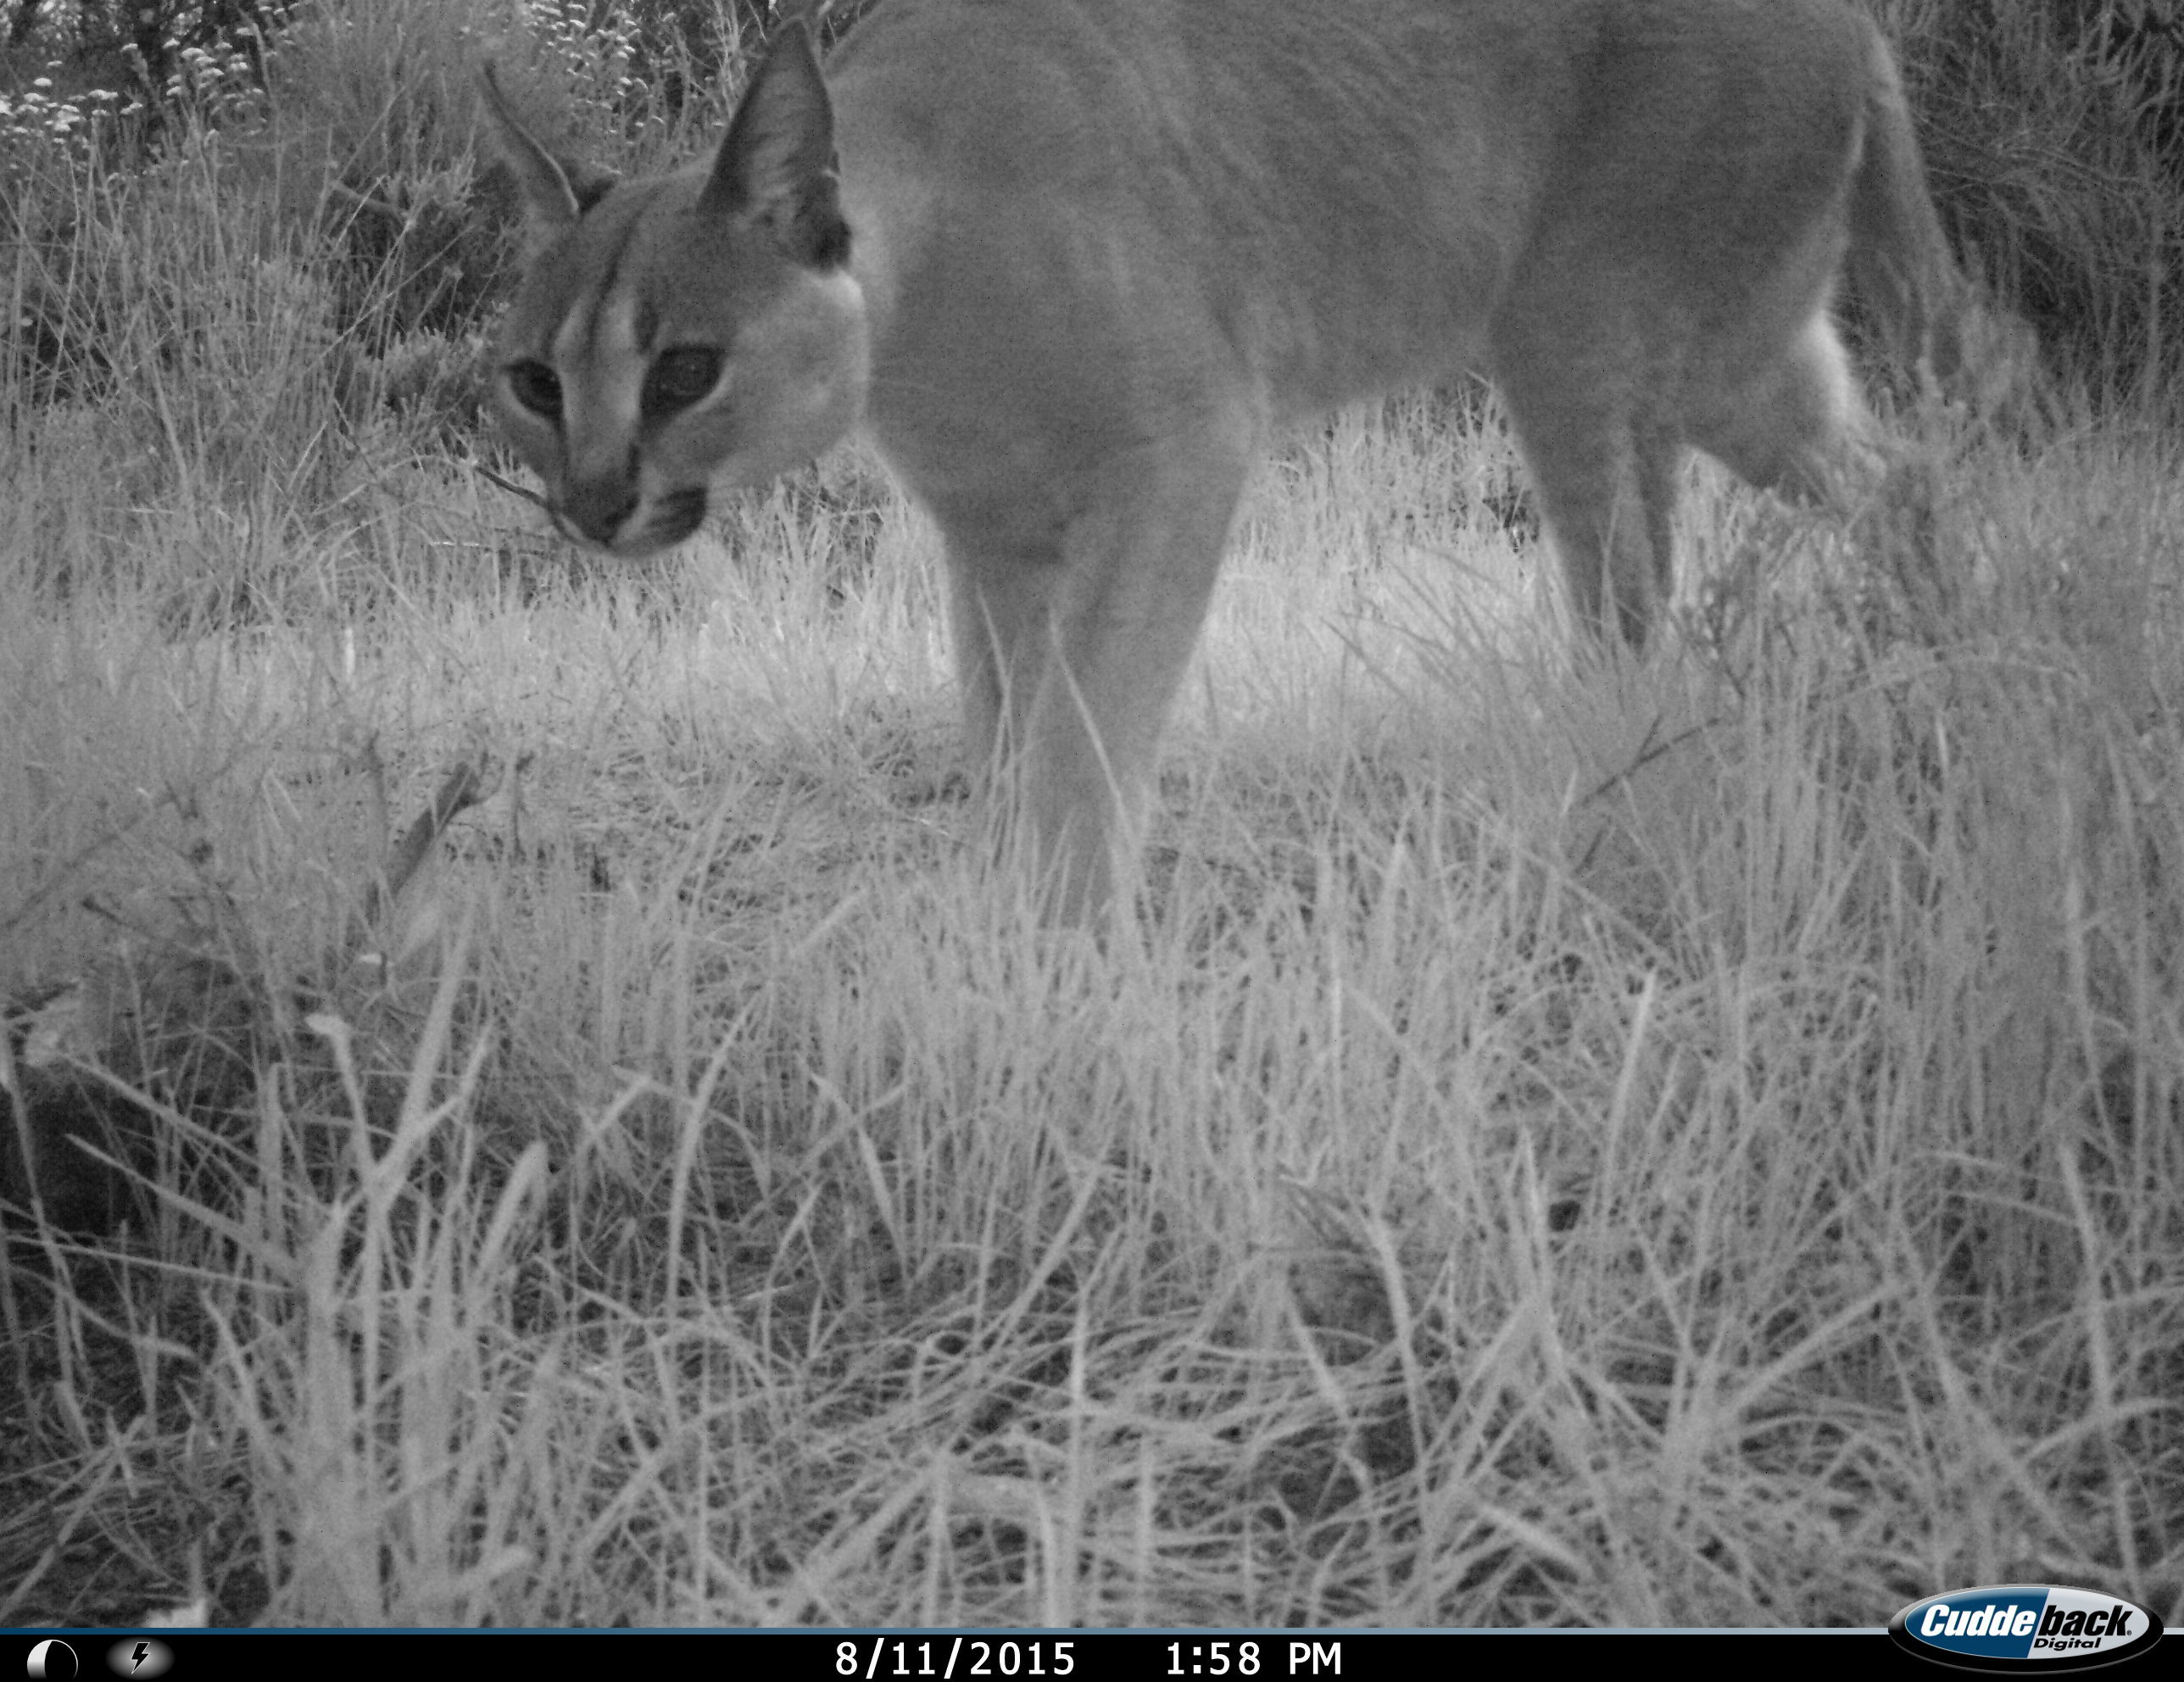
<point>690,330</point>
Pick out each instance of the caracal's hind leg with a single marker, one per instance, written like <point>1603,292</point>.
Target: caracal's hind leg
<point>1072,630</point>
<point>1805,431</point>
<point>1795,424</point>
<point>1603,466</point>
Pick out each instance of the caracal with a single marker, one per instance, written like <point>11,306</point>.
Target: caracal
<point>1069,262</point>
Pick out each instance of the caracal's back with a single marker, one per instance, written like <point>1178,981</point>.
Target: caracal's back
<point>1070,261</point>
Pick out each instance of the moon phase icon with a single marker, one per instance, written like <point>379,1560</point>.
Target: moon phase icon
<point>52,1659</point>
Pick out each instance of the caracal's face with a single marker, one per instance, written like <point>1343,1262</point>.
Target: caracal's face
<point>660,349</point>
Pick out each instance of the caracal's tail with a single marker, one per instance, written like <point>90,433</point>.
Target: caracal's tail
<point>1931,318</point>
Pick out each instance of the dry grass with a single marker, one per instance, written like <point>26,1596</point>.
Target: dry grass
<point>1693,1145</point>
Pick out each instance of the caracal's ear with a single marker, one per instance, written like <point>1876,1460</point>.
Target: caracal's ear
<point>778,165</point>
<point>554,193</point>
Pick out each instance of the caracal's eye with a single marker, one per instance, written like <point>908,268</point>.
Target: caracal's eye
<point>679,377</point>
<point>537,388</point>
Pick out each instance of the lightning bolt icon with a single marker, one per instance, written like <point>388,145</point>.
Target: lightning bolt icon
<point>143,1651</point>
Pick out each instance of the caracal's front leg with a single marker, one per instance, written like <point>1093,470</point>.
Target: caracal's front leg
<point>1072,633</point>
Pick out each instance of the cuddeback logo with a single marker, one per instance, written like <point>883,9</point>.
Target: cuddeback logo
<point>2025,1627</point>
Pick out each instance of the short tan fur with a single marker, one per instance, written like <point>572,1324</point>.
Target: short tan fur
<point>1070,262</point>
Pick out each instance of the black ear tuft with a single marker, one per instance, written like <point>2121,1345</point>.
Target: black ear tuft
<point>778,165</point>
